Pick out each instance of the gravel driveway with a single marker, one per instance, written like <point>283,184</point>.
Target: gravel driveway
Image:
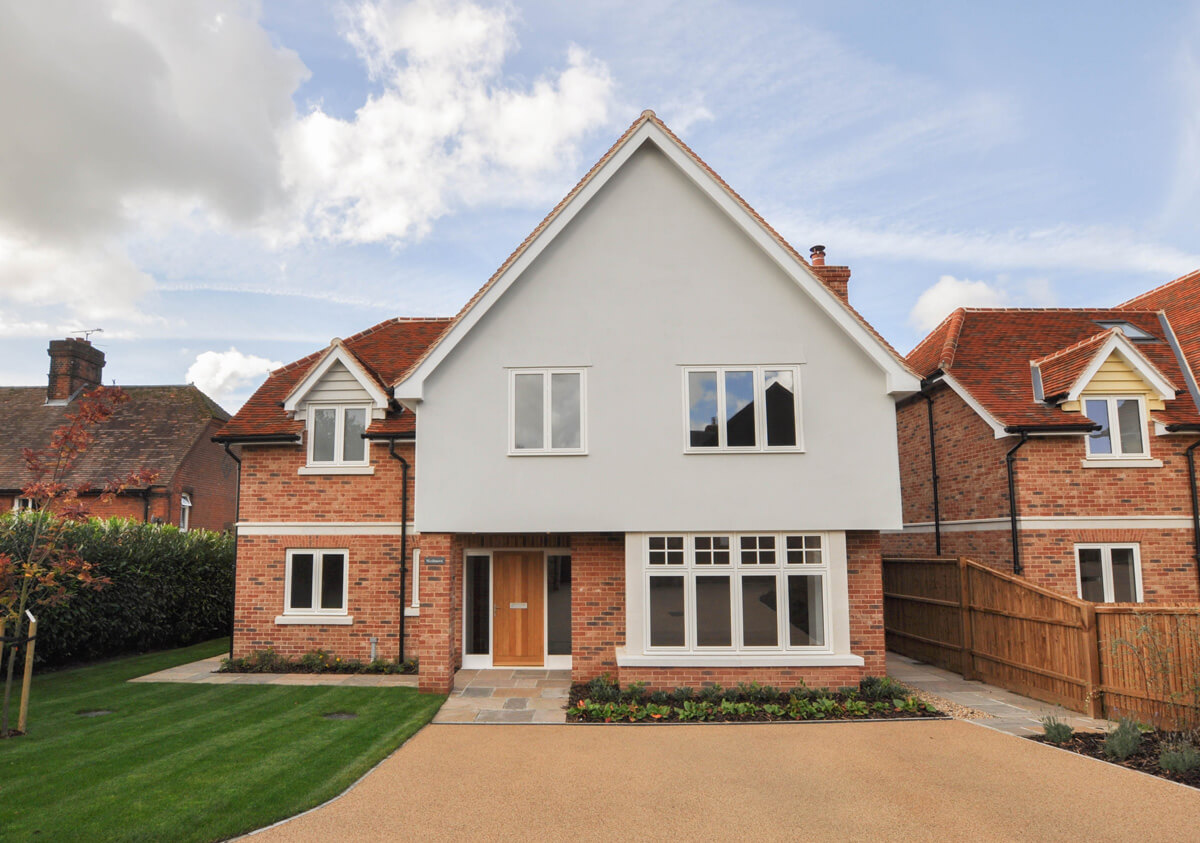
<point>944,780</point>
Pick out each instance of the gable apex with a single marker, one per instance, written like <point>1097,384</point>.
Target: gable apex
<point>336,354</point>
<point>649,129</point>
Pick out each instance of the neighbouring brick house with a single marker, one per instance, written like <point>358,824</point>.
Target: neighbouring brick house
<point>164,429</point>
<point>1095,414</point>
<point>658,444</point>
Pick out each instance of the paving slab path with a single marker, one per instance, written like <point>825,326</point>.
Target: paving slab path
<point>507,695</point>
<point>932,780</point>
<point>204,672</point>
<point>1011,713</point>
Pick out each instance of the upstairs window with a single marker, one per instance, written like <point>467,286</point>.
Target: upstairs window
<point>22,504</point>
<point>335,435</point>
<point>1122,424</point>
<point>547,411</point>
<point>742,408</point>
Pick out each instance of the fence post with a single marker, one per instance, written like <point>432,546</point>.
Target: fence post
<point>1091,667</point>
<point>964,615</point>
<point>28,678</point>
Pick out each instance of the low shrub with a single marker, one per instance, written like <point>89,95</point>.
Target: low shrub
<point>1179,758</point>
<point>316,661</point>
<point>1055,730</point>
<point>880,688</point>
<point>1124,740</point>
<point>603,689</point>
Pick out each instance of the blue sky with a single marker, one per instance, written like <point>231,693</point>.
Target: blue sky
<point>223,186</point>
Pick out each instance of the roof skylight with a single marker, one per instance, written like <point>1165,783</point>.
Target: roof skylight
<point>1131,331</point>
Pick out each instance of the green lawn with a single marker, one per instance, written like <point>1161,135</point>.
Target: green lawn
<point>187,762</point>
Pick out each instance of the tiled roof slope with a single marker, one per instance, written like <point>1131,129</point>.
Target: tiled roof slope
<point>989,351</point>
<point>651,117</point>
<point>154,430</point>
<point>1061,369</point>
<point>1180,300</point>
<point>385,351</point>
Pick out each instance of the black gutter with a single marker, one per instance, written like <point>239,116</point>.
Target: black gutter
<point>258,438</point>
<point>1009,460</point>
<point>403,533</point>
<point>933,470</point>
<point>237,516</point>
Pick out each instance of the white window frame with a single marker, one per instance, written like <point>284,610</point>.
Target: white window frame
<point>318,554</point>
<point>338,436</point>
<point>1106,549</point>
<point>780,569</point>
<point>185,511</point>
<point>22,504</point>
<point>760,422</point>
<point>547,413</point>
<point>1114,427</point>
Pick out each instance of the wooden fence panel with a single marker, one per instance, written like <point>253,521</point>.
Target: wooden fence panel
<point>921,613</point>
<point>1108,660</point>
<point>1150,663</point>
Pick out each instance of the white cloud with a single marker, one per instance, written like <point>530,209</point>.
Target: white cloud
<point>230,376</point>
<point>949,293</point>
<point>447,130</point>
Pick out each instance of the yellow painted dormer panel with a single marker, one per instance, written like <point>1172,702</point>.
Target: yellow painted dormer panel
<point>1116,377</point>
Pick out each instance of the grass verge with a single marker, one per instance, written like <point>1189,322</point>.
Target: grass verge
<point>188,762</point>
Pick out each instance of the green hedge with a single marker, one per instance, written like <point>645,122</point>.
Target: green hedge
<point>169,589</point>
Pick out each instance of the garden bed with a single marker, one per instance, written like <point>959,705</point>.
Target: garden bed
<point>317,661</point>
<point>1145,759</point>
<point>603,701</point>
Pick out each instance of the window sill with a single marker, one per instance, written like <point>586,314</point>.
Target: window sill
<point>412,612</point>
<point>1135,462</point>
<point>315,620</point>
<point>336,469</point>
<point>547,453</point>
<point>626,659</point>
<point>743,450</point>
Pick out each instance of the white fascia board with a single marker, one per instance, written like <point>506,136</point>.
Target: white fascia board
<point>337,353</point>
<point>1129,353</point>
<point>960,390</point>
<point>899,379</point>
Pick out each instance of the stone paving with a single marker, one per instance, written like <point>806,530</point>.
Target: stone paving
<point>507,695</point>
<point>1011,713</point>
<point>205,672</point>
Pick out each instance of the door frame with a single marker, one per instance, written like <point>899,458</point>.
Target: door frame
<point>483,661</point>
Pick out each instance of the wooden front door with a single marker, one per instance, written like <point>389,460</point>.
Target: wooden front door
<point>518,591</point>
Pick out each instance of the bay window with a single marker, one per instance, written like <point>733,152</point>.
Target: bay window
<point>736,592</point>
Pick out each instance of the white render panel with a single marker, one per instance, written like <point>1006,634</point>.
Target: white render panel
<point>338,385</point>
<point>652,276</point>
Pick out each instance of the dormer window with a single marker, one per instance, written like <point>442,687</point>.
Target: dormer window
<point>335,435</point>
<point>1122,422</point>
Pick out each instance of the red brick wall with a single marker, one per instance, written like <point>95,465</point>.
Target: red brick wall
<point>597,604</point>
<point>210,476</point>
<point>273,491</point>
<point>373,598</point>
<point>439,637</point>
<point>1050,482</point>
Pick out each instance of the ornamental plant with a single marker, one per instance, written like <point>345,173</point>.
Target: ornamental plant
<point>46,569</point>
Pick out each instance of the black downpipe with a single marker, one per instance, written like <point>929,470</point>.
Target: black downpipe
<point>1010,460</point>
<point>403,535</point>
<point>1191,460</point>
<point>237,516</point>
<point>933,471</point>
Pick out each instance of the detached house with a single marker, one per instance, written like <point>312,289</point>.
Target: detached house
<point>167,430</point>
<point>658,443</point>
<point>1060,444</point>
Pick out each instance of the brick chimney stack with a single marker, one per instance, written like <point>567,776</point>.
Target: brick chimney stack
<point>74,365</point>
<point>836,278</point>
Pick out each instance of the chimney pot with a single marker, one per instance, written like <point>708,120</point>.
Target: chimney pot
<point>74,365</point>
<point>816,255</point>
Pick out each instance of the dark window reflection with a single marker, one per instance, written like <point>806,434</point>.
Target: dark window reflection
<point>666,612</point>
<point>302,581</point>
<point>558,605</point>
<point>740,427</point>
<point>333,578</point>
<point>714,627</point>
<point>781,408</point>
<point>479,605</point>
<point>759,612</point>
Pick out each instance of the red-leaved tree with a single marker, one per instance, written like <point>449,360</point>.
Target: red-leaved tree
<point>45,569</point>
